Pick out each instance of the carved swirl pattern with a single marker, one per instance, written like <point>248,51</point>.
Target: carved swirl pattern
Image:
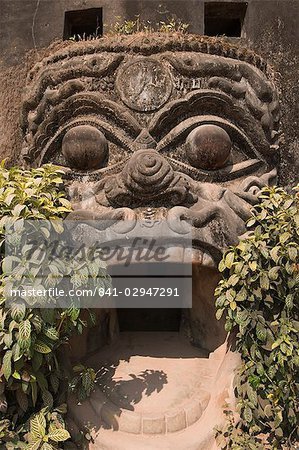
<point>148,176</point>
<point>148,172</point>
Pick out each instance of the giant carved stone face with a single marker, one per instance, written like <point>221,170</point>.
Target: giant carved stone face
<point>184,131</point>
<point>177,128</point>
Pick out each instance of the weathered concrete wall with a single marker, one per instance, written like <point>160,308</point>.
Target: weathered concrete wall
<point>270,28</point>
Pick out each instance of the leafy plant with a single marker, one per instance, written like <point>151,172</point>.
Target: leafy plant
<point>127,27</point>
<point>33,375</point>
<point>84,381</point>
<point>259,293</point>
<point>46,431</point>
<point>172,26</point>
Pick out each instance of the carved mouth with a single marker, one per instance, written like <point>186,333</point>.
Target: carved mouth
<point>198,236</point>
<point>134,242</point>
<point>154,384</point>
<point>211,224</point>
<point>153,388</point>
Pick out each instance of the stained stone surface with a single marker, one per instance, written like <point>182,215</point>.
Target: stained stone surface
<point>85,146</point>
<point>152,386</point>
<point>144,371</point>
<point>186,132</point>
<point>144,85</point>
<point>209,147</point>
<point>188,135</point>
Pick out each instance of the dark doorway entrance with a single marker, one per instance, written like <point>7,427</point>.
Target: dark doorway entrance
<point>149,319</point>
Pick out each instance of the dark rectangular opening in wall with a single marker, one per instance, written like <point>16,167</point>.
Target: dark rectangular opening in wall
<point>224,18</point>
<point>83,24</point>
<point>149,319</point>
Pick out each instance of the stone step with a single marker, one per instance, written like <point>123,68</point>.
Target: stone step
<point>127,421</point>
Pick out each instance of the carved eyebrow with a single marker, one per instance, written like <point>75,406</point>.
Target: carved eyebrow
<point>181,131</point>
<point>227,173</point>
<point>209,102</point>
<point>109,131</point>
<point>82,105</point>
<point>92,103</point>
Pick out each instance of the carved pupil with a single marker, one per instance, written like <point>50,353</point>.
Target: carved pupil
<point>85,147</point>
<point>208,147</point>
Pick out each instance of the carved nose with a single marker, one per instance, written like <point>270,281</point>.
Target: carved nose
<point>147,177</point>
<point>147,172</point>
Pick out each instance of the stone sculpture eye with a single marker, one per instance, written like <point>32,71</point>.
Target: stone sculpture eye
<point>85,147</point>
<point>208,147</point>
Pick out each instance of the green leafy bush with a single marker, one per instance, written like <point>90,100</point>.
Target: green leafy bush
<point>33,378</point>
<point>259,294</point>
<point>83,382</point>
<point>127,27</point>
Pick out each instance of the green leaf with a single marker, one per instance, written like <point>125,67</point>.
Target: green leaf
<point>264,281</point>
<point>48,315</point>
<point>54,380</point>
<point>65,203</point>
<point>253,265</point>
<point>274,254</point>
<point>42,381</point>
<point>18,311</point>
<point>87,381</point>
<point>6,365</point>
<point>293,253</point>
<point>233,279</point>
<point>62,409</point>
<point>37,361</point>
<point>36,322</point>
<point>251,222</point>
<point>17,210</point>
<point>247,414</point>
<point>51,333</point>
<point>47,399</point>
<point>41,347</point>
<point>229,259</point>
<point>252,395</point>
<point>289,301</point>
<point>276,344</point>
<point>273,273</point>
<point>59,435</point>
<point>222,266</point>
<point>47,446</point>
<point>16,375</point>
<point>268,411</point>
<point>25,330</point>
<point>219,313</point>
<point>284,237</point>
<point>233,305</point>
<point>35,445</point>
<point>38,426</point>
<point>241,295</point>
<point>22,399</point>
<point>261,332</point>
<point>279,432</point>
